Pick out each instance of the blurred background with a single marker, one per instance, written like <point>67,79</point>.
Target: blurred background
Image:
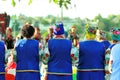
<point>103,14</point>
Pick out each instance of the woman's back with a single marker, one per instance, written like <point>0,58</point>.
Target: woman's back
<point>91,54</point>
<point>2,61</point>
<point>27,54</point>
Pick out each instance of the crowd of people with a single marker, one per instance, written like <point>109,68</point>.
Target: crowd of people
<point>30,57</point>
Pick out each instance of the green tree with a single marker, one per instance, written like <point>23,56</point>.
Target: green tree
<point>61,3</point>
<point>15,27</point>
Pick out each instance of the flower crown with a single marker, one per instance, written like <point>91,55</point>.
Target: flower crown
<point>91,30</point>
<point>115,31</point>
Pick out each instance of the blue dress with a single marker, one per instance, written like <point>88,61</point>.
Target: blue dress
<point>106,43</point>
<point>60,62</point>
<point>115,53</point>
<point>2,61</point>
<point>91,61</point>
<point>27,59</point>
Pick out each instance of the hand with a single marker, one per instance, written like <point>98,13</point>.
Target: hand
<point>107,72</point>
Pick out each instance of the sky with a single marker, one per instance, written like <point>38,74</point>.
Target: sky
<point>84,8</point>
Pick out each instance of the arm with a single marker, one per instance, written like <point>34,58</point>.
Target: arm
<point>107,58</point>
<point>110,64</point>
<point>74,55</point>
<point>45,55</point>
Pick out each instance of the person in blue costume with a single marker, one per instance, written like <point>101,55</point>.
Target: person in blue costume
<point>91,57</point>
<point>59,61</point>
<point>27,55</point>
<point>102,38</point>
<point>115,39</point>
<point>2,61</point>
<point>113,66</point>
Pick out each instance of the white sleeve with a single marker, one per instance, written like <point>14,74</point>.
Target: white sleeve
<point>111,58</point>
<point>74,55</point>
<point>45,55</point>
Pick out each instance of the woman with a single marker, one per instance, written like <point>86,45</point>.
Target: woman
<point>73,33</point>
<point>102,38</point>
<point>37,34</point>
<point>49,35</point>
<point>59,61</point>
<point>114,61</point>
<point>9,40</point>
<point>10,67</point>
<point>27,50</point>
<point>91,57</point>
<point>2,61</point>
<point>115,39</point>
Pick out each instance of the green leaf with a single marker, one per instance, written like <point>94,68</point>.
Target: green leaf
<point>61,3</point>
<point>55,1</point>
<point>30,1</point>
<point>65,5</point>
<point>13,3</point>
<point>68,1</point>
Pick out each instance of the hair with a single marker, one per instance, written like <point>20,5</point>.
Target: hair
<point>72,28</point>
<point>8,31</point>
<point>27,31</point>
<point>51,29</point>
<point>37,28</point>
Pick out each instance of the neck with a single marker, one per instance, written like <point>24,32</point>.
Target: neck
<point>27,38</point>
<point>59,36</point>
<point>90,39</point>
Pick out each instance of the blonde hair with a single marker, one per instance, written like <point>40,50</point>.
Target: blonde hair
<point>8,31</point>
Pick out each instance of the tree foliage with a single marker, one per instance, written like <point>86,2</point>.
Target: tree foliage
<point>43,22</point>
<point>61,3</point>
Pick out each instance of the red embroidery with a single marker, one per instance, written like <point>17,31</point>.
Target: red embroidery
<point>47,55</point>
<point>57,29</point>
<point>72,55</point>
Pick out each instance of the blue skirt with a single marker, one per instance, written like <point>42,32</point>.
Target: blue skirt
<point>91,75</point>
<point>27,76</point>
<point>2,76</point>
<point>59,77</point>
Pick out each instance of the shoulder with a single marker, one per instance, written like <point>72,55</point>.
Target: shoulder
<point>2,43</point>
<point>106,42</point>
<point>18,42</point>
<point>90,42</point>
<point>33,40</point>
<point>115,49</point>
<point>117,46</point>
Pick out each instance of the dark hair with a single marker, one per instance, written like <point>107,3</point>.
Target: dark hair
<point>27,31</point>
